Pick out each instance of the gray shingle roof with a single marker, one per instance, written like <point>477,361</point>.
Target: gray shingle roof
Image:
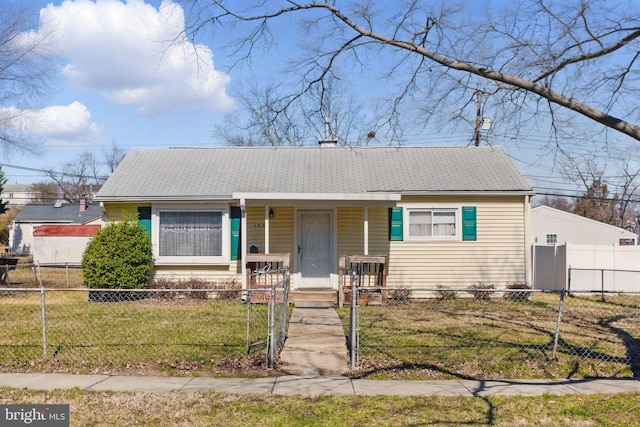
<point>209,173</point>
<point>48,213</point>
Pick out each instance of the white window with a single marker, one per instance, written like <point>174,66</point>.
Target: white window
<point>432,223</point>
<point>552,239</point>
<point>194,236</point>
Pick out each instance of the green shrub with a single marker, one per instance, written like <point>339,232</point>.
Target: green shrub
<point>118,257</point>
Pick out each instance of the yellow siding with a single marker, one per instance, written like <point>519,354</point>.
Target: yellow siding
<point>255,227</point>
<point>281,231</point>
<point>379,231</point>
<point>216,273</point>
<point>115,210</point>
<point>497,257</point>
<point>350,231</point>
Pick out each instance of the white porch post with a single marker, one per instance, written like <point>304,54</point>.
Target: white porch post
<point>243,243</point>
<point>366,230</point>
<point>266,229</point>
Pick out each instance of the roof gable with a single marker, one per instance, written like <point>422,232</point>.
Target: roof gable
<point>548,211</point>
<point>196,173</point>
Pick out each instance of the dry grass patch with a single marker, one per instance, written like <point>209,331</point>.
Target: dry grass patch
<point>189,409</point>
<point>160,336</point>
<point>500,338</point>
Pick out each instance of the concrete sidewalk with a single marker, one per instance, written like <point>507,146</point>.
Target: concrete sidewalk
<point>316,385</point>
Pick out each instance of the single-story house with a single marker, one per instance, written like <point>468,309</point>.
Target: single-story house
<point>34,215</point>
<point>552,226</point>
<point>449,216</point>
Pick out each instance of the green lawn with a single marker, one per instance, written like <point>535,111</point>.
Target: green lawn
<point>151,335</point>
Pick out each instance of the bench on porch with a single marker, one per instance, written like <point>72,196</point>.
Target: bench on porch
<point>371,273</point>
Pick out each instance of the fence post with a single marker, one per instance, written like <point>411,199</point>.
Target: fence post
<point>248,334</point>
<point>44,315</point>
<point>556,336</point>
<point>66,267</point>
<point>353,341</point>
<point>272,327</point>
<point>285,304</point>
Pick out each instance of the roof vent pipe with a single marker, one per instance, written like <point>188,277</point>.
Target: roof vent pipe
<point>329,139</point>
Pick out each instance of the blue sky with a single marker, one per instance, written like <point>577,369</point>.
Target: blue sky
<point>121,82</point>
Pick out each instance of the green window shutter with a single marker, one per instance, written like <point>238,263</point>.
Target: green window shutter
<point>144,218</point>
<point>236,213</point>
<point>469,223</point>
<point>395,223</point>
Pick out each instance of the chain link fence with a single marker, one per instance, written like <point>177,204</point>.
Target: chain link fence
<point>30,275</point>
<point>270,289</point>
<point>484,333</point>
<point>172,331</point>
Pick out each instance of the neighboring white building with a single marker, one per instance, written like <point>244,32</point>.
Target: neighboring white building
<point>17,194</point>
<point>552,226</point>
<point>34,215</point>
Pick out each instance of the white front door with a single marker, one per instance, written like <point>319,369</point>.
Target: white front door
<point>315,248</point>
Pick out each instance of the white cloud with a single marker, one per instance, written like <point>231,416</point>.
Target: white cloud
<point>56,125</point>
<point>132,53</point>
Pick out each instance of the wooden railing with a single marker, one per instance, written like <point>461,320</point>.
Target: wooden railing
<point>371,273</point>
<point>255,263</point>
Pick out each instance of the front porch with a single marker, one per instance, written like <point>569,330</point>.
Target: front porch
<point>370,274</point>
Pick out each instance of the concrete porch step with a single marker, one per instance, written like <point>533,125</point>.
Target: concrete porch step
<point>314,297</point>
<point>301,303</point>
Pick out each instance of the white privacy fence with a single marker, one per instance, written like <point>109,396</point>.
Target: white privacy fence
<point>586,268</point>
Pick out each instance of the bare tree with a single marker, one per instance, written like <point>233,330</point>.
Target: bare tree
<point>611,189</point>
<point>272,120</point>
<point>79,178</point>
<point>112,156</point>
<point>25,71</point>
<point>44,192</point>
<point>557,202</point>
<point>529,57</point>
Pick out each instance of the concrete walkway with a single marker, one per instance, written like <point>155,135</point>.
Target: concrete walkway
<point>315,344</point>
<point>315,386</point>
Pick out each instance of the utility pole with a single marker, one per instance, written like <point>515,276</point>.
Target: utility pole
<point>478,118</point>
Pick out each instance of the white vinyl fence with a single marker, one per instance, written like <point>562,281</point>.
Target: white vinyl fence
<point>586,268</point>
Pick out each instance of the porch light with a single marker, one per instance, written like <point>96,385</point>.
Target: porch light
<point>271,213</point>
